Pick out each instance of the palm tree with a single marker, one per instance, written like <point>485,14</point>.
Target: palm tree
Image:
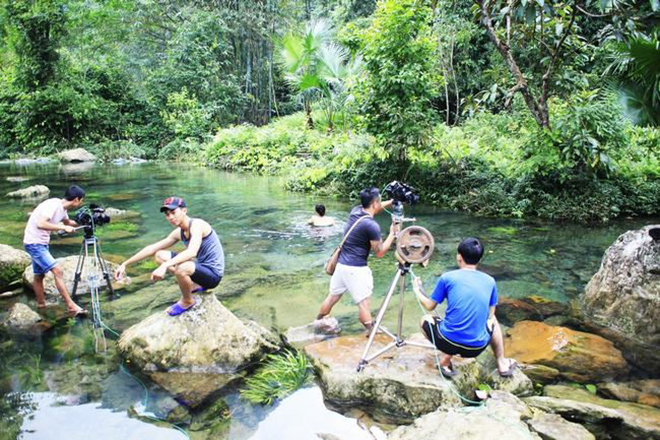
<point>639,64</point>
<point>317,68</point>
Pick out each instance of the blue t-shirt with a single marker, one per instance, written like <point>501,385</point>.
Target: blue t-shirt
<point>469,294</point>
<point>355,250</point>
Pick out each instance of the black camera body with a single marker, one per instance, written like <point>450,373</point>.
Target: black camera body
<point>90,217</point>
<point>400,192</point>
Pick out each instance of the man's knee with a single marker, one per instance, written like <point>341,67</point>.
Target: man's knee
<point>427,318</point>
<point>162,256</point>
<point>185,269</point>
<point>57,272</point>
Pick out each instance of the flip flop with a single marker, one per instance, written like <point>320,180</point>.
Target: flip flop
<point>82,313</point>
<point>449,371</point>
<point>175,309</point>
<point>512,367</point>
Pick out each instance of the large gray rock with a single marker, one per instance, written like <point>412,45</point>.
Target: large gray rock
<point>198,352</point>
<point>624,294</point>
<point>33,191</point>
<point>398,386</point>
<point>605,418</point>
<point>68,265</point>
<point>12,264</point>
<point>76,155</point>
<point>646,392</point>
<point>502,418</point>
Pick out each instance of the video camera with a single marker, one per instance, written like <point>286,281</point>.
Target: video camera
<point>400,193</point>
<point>90,217</point>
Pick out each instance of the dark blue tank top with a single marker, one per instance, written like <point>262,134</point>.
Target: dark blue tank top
<point>210,252</point>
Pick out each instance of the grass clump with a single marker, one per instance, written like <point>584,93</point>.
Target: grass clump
<point>282,374</point>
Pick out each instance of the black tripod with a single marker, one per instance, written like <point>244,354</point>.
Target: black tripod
<point>397,340</point>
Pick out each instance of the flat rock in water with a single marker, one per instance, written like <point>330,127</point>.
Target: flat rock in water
<point>554,427</point>
<point>619,420</point>
<point>398,386</point>
<point>12,264</point>
<point>17,179</point>
<point>502,418</point>
<point>30,192</point>
<point>21,316</point>
<point>68,265</point>
<point>645,392</point>
<point>198,352</point>
<point>76,155</point>
<point>577,356</point>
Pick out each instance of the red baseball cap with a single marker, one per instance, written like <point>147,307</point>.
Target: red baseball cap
<point>172,203</point>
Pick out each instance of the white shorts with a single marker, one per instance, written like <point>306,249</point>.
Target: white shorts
<point>358,280</point>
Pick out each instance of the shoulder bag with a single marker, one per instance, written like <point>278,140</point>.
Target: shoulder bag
<point>331,264</point>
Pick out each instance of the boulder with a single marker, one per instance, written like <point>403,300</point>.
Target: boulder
<point>12,264</point>
<point>645,392</point>
<point>554,427</point>
<point>398,386</point>
<point>578,356</point>
<point>605,418</point>
<point>68,265</point>
<point>198,352</point>
<point>502,418</point>
<point>624,295</point>
<point>33,191</point>
<point>76,155</point>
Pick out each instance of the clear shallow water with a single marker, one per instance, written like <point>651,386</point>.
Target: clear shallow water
<point>273,254</point>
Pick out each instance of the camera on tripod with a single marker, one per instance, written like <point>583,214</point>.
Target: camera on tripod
<point>400,193</point>
<point>90,217</point>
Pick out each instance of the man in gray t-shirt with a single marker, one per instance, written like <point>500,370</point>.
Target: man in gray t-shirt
<point>352,273</point>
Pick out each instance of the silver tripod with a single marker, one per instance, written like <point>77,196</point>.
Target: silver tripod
<point>92,247</point>
<point>414,245</point>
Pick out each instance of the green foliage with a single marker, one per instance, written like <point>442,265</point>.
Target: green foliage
<point>185,117</point>
<point>591,388</point>
<point>281,375</point>
<point>400,83</point>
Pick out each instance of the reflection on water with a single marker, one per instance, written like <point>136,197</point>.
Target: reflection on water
<point>274,274</point>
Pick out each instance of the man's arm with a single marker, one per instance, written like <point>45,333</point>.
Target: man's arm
<point>69,222</point>
<point>381,247</point>
<point>43,223</point>
<point>427,302</point>
<point>148,251</point>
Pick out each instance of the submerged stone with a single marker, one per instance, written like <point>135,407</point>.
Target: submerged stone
<point>68,265</point>
<point>577,356</point>
<point>30,192</point>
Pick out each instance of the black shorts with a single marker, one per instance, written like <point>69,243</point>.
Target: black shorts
<point>445,345</point>
<point>205,276</point>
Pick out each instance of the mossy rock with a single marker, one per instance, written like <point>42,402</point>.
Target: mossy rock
<point>12,264</point>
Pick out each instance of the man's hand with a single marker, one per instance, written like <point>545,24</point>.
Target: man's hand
<point>69,229</point>
<point>120,272</point>
<point>159,273</point>
<point>394,229</point>
<point>417,285</point>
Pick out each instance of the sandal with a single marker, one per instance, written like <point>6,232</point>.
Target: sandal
<point>176,309</point>
<point>448,371</point>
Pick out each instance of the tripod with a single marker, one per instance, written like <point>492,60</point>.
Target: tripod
<point>397,340</point>
<point>91,246</point>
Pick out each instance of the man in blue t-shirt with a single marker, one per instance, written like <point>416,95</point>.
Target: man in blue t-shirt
<point>352,273</point>
<point>469,325</point>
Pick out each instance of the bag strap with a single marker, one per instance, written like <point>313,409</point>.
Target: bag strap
<point>351,230</point>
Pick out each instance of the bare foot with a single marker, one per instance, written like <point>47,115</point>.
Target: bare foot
<point>41,305</point>
<point>75,309</point>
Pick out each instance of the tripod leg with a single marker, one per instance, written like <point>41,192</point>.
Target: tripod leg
<point>379,320</point>
<point>79,268</point>
<point>104,270</point>
<point>402,284</point>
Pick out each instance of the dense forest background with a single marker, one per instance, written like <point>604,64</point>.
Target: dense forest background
<point>518,107</point>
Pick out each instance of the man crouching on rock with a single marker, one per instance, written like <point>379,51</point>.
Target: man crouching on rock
<point>469,325</point>
<point>198,268</point>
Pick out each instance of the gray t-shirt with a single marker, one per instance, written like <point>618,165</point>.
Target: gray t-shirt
<point>355,250</point>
